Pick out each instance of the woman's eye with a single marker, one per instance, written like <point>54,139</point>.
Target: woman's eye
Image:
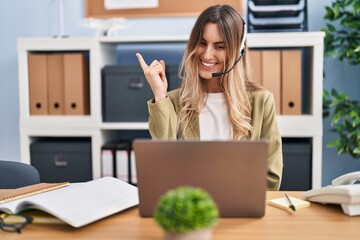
<point>220,46</point>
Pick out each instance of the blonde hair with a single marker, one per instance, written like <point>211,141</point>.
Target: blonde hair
<point>236,84</point>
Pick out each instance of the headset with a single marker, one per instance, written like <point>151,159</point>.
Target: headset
<point>242,52</point>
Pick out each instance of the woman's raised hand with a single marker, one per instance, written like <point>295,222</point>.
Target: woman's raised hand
<point>155,75</point>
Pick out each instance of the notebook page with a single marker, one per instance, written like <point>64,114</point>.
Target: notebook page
<point>83,203</point>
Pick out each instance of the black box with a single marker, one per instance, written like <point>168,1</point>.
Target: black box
<point>62,159</point>
<point>125,92</point>
<point>170,52</point>
<point>297,172</point>
<point>172,75</point>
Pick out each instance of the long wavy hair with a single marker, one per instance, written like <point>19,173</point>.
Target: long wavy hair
<point>236,84</point>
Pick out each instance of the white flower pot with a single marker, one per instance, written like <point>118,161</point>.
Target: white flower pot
<point>201,234</point>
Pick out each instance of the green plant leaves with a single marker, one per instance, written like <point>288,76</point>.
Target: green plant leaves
<point>185,209</point>
<point>345,122</point>
<point>330,27</point>
<point>357,8</point>
<point>336,10</point>
<point>342,41</point>
<point>343,34</point>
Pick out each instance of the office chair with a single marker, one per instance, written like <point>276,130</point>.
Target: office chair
<point>17,174</point>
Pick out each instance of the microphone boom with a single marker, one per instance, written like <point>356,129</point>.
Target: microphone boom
<point>217,74</point>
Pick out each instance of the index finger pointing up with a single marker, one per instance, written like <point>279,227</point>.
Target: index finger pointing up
<point>142,62</point>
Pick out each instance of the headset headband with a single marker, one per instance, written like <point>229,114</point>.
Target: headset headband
<point>242,46</point>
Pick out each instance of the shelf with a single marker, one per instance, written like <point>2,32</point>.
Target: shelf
<point>59,122</point>
<point>289,126</point>
<point>145,39</point>
<point>299,126</point>
<point>56,44</point>
<point>102,52</point>
<point>125,126</point>
<point>286,39</point>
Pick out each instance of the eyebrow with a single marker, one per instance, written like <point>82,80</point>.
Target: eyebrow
<point>221,42</point>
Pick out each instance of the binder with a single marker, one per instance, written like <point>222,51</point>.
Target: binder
<point>106,163</point>
<point>38,94</point>
<point>76,84</point>
<point>118,156</point>
<point>271,75</point>
<point>122,165</point>
<point>291,82</point>
<point>133,168</point>
<point>256,65</point>
<point>55,84</point>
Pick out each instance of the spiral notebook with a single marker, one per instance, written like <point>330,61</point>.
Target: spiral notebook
<point>7,195</point>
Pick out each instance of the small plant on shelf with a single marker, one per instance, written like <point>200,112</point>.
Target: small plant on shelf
<point>186,212</point>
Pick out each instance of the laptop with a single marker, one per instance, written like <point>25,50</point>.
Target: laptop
<point>234,173</point>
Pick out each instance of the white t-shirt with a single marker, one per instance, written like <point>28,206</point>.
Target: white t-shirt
<point>213,119</point>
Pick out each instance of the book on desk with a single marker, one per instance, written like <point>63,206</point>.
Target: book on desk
<point>79,204</point>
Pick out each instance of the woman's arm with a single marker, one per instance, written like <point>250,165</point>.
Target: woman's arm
<point>162,120</point>
<point>270,132</point>
<point>265,127</point>
<point>163,117</point>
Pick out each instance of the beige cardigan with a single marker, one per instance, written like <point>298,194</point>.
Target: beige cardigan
<point>163,125</point>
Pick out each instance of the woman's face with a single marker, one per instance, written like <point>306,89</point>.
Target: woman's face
<point>211,52</point>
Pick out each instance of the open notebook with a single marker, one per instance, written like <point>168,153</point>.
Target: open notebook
<point>79,204</point>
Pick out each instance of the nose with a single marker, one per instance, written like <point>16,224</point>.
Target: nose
<point>208,52</point>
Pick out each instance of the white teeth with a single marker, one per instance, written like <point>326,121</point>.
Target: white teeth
<point>208,64</point>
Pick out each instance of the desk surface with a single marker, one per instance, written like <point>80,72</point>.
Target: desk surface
<point>315,222</point>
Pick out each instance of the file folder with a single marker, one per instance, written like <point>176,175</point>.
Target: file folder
<point>291,82</point>
<point>256,65</point>
<point>55,84</point>
<point>271,75</point>
<point>133,168</point>
<point>106,163</point>
<point>38,95</point>
<point>76,84</point>
<point>122,165</point>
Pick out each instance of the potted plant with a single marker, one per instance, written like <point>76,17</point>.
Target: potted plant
<point>186,213</point>
<point>342,40</point>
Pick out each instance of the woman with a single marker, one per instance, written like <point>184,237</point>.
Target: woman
<point>216,100</point>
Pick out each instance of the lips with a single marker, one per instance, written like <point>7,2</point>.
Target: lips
<point>207,64</point>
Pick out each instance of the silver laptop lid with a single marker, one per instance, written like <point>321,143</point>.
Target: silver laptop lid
<point>232,172</point>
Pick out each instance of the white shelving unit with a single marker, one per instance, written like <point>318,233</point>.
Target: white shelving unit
<point>102,52</point>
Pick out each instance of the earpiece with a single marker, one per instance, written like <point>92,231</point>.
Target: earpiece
<point>242,46</point>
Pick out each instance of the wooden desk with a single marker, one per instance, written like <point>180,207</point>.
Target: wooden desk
<point>315,222</point>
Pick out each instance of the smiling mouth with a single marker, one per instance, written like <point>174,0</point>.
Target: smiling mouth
<point>207,64</point>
